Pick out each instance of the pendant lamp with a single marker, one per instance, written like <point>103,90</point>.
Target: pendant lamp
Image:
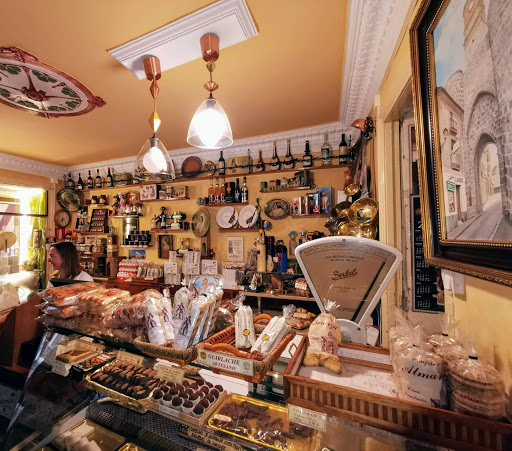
<point>153,163</point>
<point>210,128</point>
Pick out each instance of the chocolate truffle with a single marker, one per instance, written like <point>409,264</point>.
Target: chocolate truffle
<point>189,391</point>
<point>164,388</point>
<point>200,382</point>
<point>198,410</point>
<point>174,391</point>
<point>158,394</point>
<point>193,397</point>
<point>204,403</point>
<point>183,394</point>
<point>215,393</point>
<point>205,389</point>
<point>209,384</point>
<point>210,398</point>
<point>194,386</point>
<point>179,387</point>
<point>171,384</point>
<point>176,402</point>
<point>167,397</point>
<point>188,404</point>
<point>200,393</point>
<point>219,387</point>
<point>185,383</point>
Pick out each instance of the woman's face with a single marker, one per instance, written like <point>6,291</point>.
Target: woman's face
<point>55,259</point>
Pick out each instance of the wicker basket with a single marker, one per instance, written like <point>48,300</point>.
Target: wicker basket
<point>180,356</point>
<point>224,342</point>
<point>429,424</point>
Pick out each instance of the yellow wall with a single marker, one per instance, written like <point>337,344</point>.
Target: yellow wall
<point>486,309</point>
<point>21,177</point>
<point>199,188</point>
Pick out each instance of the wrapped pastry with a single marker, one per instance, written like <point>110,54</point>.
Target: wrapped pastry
<point>182,298</point>
<point>193,316</point>
<point>154,324</point>
<point>164,308</point>
<point>99,301</point>
<point>67,294</point>
<point>274,332</point>
<point>69,311</point>
<point>244,325</point>
<point>324,339</point>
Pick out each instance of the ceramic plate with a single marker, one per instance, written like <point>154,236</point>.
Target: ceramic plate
<point>209,168</point>
<point>277,208</point>
<point>191,167</point>
<point>227,217</point>
<point>201,222</point>
<point>248,216</point>
<point>68,199</point>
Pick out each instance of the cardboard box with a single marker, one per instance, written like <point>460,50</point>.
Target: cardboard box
<point>313,203</point>
<point>180,192</point>
<point>325,199</point>
<point>209,267</point>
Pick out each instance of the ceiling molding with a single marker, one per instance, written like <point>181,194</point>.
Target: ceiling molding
<point>373,30</point>
<point>28,166</point>
<point>178,42</point>
<point>298,137</point>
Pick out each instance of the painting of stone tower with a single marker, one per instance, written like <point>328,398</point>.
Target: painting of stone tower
<point>473,67</point>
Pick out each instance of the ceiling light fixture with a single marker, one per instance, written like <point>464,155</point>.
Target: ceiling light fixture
<point>153,163</point>
<point>210,128</point>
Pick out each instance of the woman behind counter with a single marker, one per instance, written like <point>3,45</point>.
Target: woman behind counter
<point>66,262</point>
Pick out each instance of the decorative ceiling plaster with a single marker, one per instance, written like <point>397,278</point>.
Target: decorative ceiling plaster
<point>28,166</point>
<point>31,85</point>
<point>373,29</point>
<point>178,42</point>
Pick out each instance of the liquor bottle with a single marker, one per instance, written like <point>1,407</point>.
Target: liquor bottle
<point>282,256</point>
<point>90,181</point>
<point>80,184</point>
<point>350,141</point>
<point>211,193</point>
<point>344,153</point>
<point>245,192</point>
<point>217,192</point>
<point>70,183</point>
<point>222,165</point>
<point>230,192</point>
<point>326,151</point>
<point>99,180</point>
<point>249,161</point>
<point>238,193</point>
<point>260,166</point>
<point>110,179</point>
<point>275,162</point>
<point>289,162</point>
<point>307,159</point>
<point>222,191</point>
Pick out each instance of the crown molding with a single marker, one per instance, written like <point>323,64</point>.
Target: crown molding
<point>373,30</point>
<point>178,42</point>
<point>315,136</point>
<point>28,166</point>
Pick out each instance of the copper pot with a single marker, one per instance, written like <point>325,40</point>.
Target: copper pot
<point>363,211</point>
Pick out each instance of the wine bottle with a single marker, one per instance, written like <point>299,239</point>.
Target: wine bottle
<point>275,162</point>
<point>64,181</point>
<point>260,166</point>
<point>99,180</point>
<point>344,153</point>
<point>289,162</point>
<point>110,179</point>
<point>90,181</point>
<point>80,184</point>
<point>249,161</point>
<point>211,191</point>
<point>222,164</point>
<point>326,151</point>
<point>222,191</point>
<point>307,159</point>
<point>70,183</point>
<point>245,192</point>
<point>217,192</point>
<point>238,193</point>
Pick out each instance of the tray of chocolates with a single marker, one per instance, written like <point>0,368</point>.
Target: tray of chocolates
<point>263,423</point>
<point>192,401</point>
<point>128,385</point>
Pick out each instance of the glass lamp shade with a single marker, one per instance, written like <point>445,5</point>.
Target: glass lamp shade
<point>153,163</point>
<point>210,128</point>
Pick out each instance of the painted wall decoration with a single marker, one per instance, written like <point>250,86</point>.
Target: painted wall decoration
<point>29,84</point>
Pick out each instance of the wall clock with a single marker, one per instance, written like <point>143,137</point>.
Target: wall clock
<point>29,84</point>
<point>62,218</point>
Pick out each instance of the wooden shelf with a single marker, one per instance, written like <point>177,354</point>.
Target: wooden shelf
<point>314,215</point>
<point>239,229</point>
<point>164,200</point>
<point>136,247</point>
<point>94,254</point>
<point>169,231</point>
<point>92,233</point>
<point>286,297</point>
<point>280,190</point>
<point>224,204</point>
<point>126,216</point>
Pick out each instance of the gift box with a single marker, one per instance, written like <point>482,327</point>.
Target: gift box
<point>149,192</point>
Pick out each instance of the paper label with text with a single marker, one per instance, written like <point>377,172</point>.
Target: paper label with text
<point>168,410</point>
<point>307,417</point>
<point>226,362</point>
<point>170,373</point>
<point>130,358</point>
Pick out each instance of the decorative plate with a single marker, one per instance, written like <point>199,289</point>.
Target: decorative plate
<point>201,222</point>
<point>227,217</point>
<point>248,216</point>
<point>29,84</point>
<point>132,197</point>
<point>68,199</point>
<point>277,208</point>
<point>210,168</point>
<point>191,167</point>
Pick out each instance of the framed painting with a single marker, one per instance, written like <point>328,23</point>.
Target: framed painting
<point>461,55</point>
<point>165,243</point>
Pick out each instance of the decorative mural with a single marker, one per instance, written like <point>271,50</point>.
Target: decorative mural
<point>29,84</point>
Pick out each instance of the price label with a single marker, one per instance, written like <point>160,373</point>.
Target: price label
<point>300,315</point>
<point>130,358</point>
<point>168,410</point>
<point>307,417</point>
<point>170,373</point>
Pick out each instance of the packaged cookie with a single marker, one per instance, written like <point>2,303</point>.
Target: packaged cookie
<point>154,324</point>
<point>324,339</point>
<point>244,325</point>
<point>182,298</point>
<point>164,308</point>
<point>274,332</point>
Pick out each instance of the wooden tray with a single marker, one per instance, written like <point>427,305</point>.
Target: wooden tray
<point>429,424</point>
<point>223,342</point>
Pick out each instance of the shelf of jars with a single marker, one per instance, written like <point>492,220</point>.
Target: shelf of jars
<point>169,231</point>
<point>164,200</point>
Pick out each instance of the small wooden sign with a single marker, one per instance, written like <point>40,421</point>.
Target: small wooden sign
<point>170,373</point>
<point>130,358</point>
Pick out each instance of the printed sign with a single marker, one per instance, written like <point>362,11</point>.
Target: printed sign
<point>209,267</point>
<point>367,356</point>
<point>170,373</point>
<point>307,417</point>
<point>226,362</point>
<point>130,358</point>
